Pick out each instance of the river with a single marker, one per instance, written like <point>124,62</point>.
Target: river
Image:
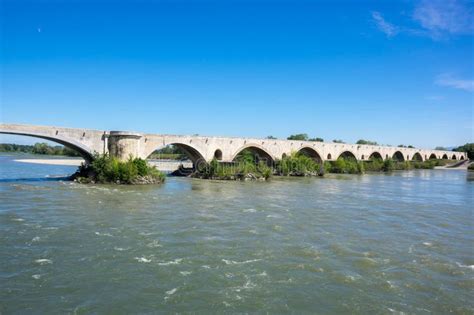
<point>401,242</point>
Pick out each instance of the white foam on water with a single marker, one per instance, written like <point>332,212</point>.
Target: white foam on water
<point>143,259</point>
<point>410,249</point>
<point>232,262</point>
<point>35,239</point>
<point>18,219</point>
<point>43,261</point>
<point>428,244</point>
<point>185,273</point>
<point>177,261</point>
<point>51,228</point>
<point>206,267</point>
<point>251,210</point>
<point>226,304</point>
<point>465,266</point>
<point>170,293</point>
<point>275,216</point>
<point>103,234</point>
<point>121,249</point>
<point>263,274</point>
<point>36,277</point>
<point>153,244</point>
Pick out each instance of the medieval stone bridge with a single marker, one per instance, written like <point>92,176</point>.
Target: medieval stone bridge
<point>122,144</point>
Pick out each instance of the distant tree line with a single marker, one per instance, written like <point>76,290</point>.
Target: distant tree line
<point>468,148</point>
<point>38,148</point>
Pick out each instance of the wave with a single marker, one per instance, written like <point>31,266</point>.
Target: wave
<point>177,261</point>
<point>232,262</point>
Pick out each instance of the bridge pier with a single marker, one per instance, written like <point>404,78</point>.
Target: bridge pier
<point>123,144</point>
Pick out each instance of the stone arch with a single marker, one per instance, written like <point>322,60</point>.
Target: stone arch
<point>192,153</point>
<point>347,155</point>
<point>312,153</point>
<point>454,157</point>
<point>432,156</point>
<point>375,156</point>
<point>218,155</point>
<point>417,157</point>
<point>83,150</point>
<point>398,156</point>
<point>445,156</point>
<point>462,157</point>
<point>259,153</point>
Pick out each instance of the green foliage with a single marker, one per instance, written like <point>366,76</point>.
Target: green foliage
<point>362,141</point>
<point>38,148</point>
<point>244,166</point>
<point>468,148</point>
<point>297,164</point>
<point>299,136</point>
<point>316,139</point>
<point>347,166</point>
<point>388,165</point>
<point>106,169</point>
<point>271,137</point>
<point>338,141</point>
<point>441,148</point>
<point>471,167</point>
<point>169,152</point>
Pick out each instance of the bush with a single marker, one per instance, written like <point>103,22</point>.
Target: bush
<point>106,169</point>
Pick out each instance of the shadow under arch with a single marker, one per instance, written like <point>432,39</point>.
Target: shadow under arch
<point>259,153</point>
<point>312,153</point>
<point>445,156</point>
<point>191,153</point>
<point>347,155</point>
<point>85,152</point>
<point>454,157</point>
<point>417,157</point>
<point>432,157</point>
<point>398,156</point>
<point>375,156</point>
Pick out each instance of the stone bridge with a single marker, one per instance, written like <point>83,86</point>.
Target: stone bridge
<point>202,149</point>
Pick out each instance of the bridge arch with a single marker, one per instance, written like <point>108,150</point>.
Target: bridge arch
<point>432,156</point>
<point>191,152</point>
<point>218,154</point>
<point>258,151</point>
<point>445,156</point>
<point>312,153</point>
<point>454,157</point>
<point>347,155</point>
<point>398,156</point>
<point>375,156</point>
<point>417,157</point>
<point>84,151</point>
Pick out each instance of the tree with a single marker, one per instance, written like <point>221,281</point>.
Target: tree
<point>271,137</point>
<point>468,148</point>
<point>441,148</point>
<point>338,141</point>
<point>362,141</point>
<point>299,136</point>
<point>317,139</point>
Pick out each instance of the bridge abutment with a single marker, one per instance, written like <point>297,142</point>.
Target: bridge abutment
<point>123,144</point>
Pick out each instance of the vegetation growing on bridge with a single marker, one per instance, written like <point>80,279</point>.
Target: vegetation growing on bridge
<point>38,148</point>
<point>109,170</point>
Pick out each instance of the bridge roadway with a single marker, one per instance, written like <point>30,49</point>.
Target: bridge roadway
<point>201,149</point>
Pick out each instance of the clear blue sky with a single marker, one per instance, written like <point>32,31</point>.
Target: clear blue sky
<point>393,72</point>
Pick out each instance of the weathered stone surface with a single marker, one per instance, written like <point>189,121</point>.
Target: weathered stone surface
<point>202,149</point>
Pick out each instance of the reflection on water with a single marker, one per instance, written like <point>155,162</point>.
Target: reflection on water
<point>399,242</point>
